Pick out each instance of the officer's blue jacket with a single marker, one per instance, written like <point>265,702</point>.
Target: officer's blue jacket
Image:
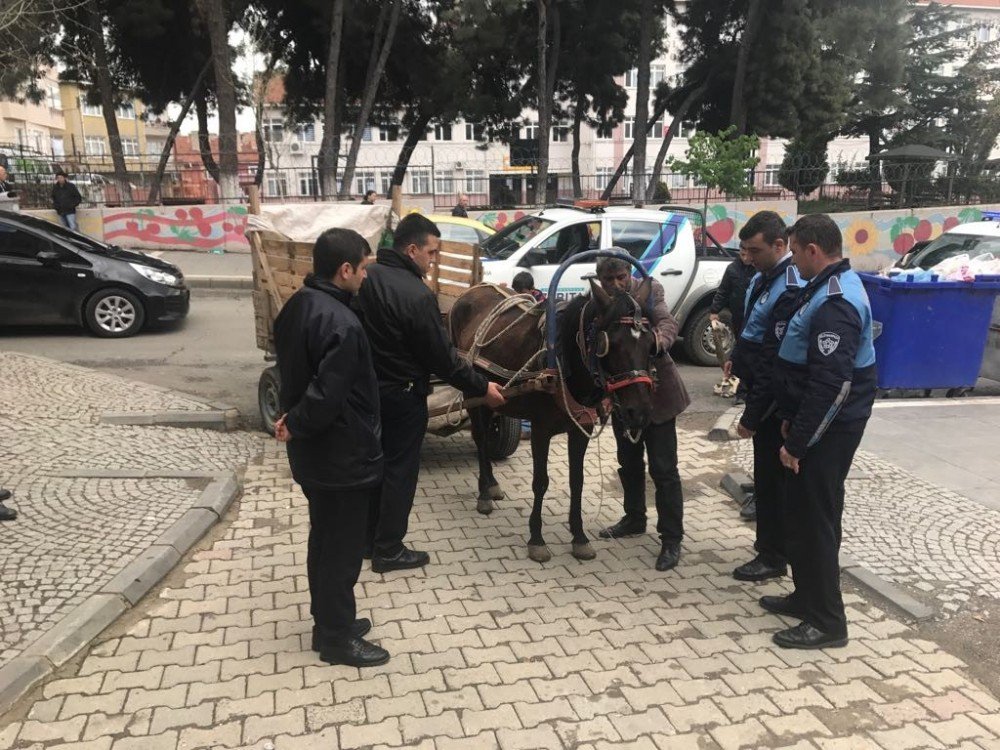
<point>825,376</point>
<point>762,293</point>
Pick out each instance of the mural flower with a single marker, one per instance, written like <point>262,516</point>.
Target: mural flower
<point>861,237</point>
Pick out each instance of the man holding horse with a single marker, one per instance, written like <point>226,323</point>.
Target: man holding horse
<point>409,343</point>
<point>658,440</point>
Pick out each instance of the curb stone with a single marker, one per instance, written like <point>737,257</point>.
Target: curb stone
<point>219,282</point>
<point>722,429</point>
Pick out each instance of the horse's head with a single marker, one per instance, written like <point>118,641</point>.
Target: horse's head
<point>624,345</point>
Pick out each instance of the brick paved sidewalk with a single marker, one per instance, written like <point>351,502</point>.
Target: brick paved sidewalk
<point>491,650</point>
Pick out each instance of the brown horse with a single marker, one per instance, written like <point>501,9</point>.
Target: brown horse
<point>605,347</point>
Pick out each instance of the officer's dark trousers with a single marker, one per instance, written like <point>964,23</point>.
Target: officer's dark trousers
<point>336,545</point>
<point>814,506</point>
<point>769,480</point>
<point>404,423</point>
<point>659,442</point>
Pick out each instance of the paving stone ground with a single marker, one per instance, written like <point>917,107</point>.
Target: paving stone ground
<point>74,534</point>
<point>491,650</point>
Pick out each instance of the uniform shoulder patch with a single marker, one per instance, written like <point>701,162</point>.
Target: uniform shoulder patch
<point>791,278</point>
<point>827,342</point>
<point>833,289</point>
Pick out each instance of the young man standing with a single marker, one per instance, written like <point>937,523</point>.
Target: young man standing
<point>329,396</point>
<point>659,439</point>
<point>65,199</point>
<point>825,383</point>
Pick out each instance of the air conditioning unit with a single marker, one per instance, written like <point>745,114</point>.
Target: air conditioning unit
<point>459,165</point>
<point>295,147</point>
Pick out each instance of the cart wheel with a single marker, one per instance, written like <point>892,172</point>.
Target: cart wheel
<point>957,392</point>
<point>268,388</point>
<point>505,434</point>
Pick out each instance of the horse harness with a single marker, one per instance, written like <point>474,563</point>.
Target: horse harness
<point>595,345</point>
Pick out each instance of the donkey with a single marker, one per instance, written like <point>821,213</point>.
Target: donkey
<point>605,346</point>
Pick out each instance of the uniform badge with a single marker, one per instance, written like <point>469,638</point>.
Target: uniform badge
<point>779,329</point>
<point>828,343</point>
<point>763,297</point>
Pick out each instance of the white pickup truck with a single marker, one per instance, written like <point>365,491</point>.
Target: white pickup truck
<point>662,240</point>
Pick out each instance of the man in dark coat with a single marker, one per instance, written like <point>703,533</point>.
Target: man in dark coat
<point>65,199</point>
<point>409,343</point>
<point>732,292</point>
<point>461,208</point>
<point>329,396</point>
<point>659,439</point>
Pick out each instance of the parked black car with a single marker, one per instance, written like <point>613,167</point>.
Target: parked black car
<point>50,275</point>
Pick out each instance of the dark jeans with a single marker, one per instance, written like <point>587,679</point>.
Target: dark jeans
<point>769,481</point>
<point>404,423</point>
<point>659,442</point>
<point>813,516</point>
<point>336,547</point>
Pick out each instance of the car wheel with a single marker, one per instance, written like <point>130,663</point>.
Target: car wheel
<point>504,435</point>
<point>114,314</point>
<point>699,344</point>
<point>268,388</point>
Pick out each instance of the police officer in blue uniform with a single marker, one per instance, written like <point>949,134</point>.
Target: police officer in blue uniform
<point>824,388</point>
<point>765,239</point>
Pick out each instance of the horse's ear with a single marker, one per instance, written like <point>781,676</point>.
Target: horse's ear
<point>645,289</point>
<point>599,295</point>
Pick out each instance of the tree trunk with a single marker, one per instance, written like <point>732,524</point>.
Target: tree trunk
<point>738,107</point>
<point>623,164</point>
<point>329,149</point>
<point>412,139</point>
<point>106,90</point>
<point>642,103</point>
<point>204,140</point>
<point>548,66</point>
<point>214,16</point>
<point>265,81</point>
<point>875,170</point>
<point>581,105</point>
<point>376,65</point>
<point>668,138</point>
<point>175,127</point>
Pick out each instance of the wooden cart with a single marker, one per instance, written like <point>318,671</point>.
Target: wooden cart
<point>280,266</point>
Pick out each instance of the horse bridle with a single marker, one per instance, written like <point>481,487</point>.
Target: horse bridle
<point>601,346</point>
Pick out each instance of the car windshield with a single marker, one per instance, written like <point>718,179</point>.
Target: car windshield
<point>949,245</point>
<point>512,237</point>
<point>77,240</point>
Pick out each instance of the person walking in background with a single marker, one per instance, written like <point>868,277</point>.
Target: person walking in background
<point>6,186</point>
<point>461,208</point>
<point>65,199</point>
<point>369,199</point>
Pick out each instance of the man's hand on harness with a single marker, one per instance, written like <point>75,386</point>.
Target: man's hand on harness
<point>494,398</point>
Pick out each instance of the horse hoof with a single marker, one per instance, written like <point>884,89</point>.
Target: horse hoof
<point>584,551</point>
<point>484,505</point>
<point>495,493</point>
<point>539,553</point>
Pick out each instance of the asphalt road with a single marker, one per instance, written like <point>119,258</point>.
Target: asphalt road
<point>213,354</point>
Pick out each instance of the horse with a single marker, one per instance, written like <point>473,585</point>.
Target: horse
<point>605,347</point>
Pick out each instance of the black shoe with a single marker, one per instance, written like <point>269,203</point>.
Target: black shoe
<point>4,494</point>
<point>625,527</point>
<point>354,652</point>
<point>759,570</point>
<point>368,553</point>
<point>359,629</point>
<point>7,514</point>
<point>670,555</point>
<point>748,511</point>
<point>781,605</point>
<point>805,635</point>
<point>408,558</point>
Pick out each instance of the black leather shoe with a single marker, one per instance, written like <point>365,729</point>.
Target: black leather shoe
<point>359,628</point>
<point>7,514</point>
<point>625,527</point>
<point>759,570</point>
<point>354,652</point>
<point>805,635</point>
<point>748,511</point>
<point>4,494</point>
<point>408,558</point>
<point>781,605</point>
<point>669,556</point>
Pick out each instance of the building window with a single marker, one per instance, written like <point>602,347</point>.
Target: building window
<point>130,146</point>
<point>58,148</point>
<point>442,132</point>
<point>54,101</point>
<point>656,74</point>
<point>631,77</point>
<point>92,110</point>
<point>605,134</point>
<point>629,128</point>
<point>154,146</point>
<point>307,184</point>
<point>274,130</point>
<point>444,183</point>
<point>657,131</point>
<point>305,133</point>
<point>687,129</point>
<point>678,181</point>
<point>771,175</point>
<point>420,181</point>
<point>277,186</point>
<point>474,131</point>
<point>604,175</point>
<point>475,181</point>
<point>560,132</point>
<point>529,131</point>
<point>387,134</point>
<point>366,134</point>
<point>125,111</point>
<point>385,178</point>
<point>364,180</point>
<point>94,145</point>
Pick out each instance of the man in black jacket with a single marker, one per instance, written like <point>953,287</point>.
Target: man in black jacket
<point>732,292</point>
<point>329,396</point>
<point>401,317</point>
<point>65,199</point>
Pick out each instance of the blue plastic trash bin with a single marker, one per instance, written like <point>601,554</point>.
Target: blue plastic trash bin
<point>930,334</point>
